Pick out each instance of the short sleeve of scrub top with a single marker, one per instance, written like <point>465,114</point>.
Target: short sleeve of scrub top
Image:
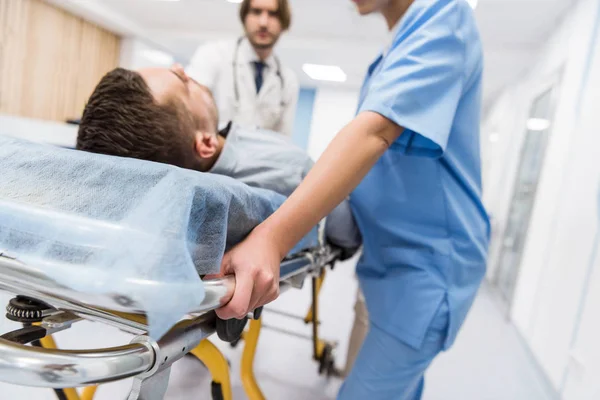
<point>419,78</point>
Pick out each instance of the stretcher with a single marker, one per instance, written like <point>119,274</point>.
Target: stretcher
<point>93,237</point>
<point>45,307</point>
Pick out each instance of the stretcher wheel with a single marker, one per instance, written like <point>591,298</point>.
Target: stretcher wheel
<point>326,362</point>
<point>231,330</point>
<point>347,254</point>
<point>26,310</point>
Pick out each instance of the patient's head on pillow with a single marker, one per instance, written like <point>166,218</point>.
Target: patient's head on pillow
<point>154,114</point>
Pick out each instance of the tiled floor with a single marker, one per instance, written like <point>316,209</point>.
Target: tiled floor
<point>488,362</point>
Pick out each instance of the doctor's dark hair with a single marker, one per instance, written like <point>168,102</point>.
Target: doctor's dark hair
<point>284,13</point>
<point>122,118</point>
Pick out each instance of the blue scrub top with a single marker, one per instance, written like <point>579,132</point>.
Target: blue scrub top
<point>425,229</point>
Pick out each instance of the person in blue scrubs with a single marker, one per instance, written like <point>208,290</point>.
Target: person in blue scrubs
<point>410,161</point>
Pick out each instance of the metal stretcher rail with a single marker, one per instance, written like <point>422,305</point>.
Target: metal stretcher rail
<point>29,366</point>
<point>19,278</point>
<point>34,366</point>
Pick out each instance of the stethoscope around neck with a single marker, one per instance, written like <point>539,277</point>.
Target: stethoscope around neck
<point>236,89</point>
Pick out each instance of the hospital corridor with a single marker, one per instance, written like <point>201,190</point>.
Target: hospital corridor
<point>300,199</point>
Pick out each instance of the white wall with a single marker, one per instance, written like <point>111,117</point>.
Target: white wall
<point>138,54</point>
<point>37,130</point>
<point>581,378</point>
<point>556,256</point>
<point>333,109</point>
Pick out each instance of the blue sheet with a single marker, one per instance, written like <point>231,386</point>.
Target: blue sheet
<point>104,224</point>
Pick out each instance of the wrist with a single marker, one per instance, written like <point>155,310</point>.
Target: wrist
<point>270,232</point>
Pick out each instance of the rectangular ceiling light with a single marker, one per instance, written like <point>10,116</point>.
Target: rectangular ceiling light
<point>331,73</point>
<point>538,124</point>
<point>235,1</point>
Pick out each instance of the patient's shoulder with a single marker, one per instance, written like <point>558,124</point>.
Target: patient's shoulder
<point>267,142</point>
<point>260,135</point>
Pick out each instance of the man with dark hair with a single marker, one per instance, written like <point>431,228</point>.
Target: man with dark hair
<point>162,115</point>
<point>250,84</point>
<point>123,118</point>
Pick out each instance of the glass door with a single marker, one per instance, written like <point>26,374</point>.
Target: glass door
<point>533,151</point>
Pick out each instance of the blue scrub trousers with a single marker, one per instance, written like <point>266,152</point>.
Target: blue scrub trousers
<point>388,369</point>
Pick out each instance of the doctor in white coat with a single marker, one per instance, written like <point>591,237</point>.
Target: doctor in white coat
<point>250,85</point>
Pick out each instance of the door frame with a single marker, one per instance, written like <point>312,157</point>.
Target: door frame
<point>553,83</point>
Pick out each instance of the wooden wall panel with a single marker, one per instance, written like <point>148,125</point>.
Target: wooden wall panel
<point>50,60</point>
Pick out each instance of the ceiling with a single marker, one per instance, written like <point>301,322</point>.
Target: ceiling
<point>327,32</point>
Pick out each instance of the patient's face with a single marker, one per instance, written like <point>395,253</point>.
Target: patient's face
<point>173,84</point>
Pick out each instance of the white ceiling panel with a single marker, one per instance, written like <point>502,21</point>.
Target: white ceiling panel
<point>328,31</point>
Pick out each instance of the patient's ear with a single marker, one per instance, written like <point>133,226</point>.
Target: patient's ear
<point>206,144</point>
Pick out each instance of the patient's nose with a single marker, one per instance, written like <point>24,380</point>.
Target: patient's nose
<point>178,69</point>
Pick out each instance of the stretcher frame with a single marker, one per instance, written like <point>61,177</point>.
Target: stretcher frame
<point>147,361</point>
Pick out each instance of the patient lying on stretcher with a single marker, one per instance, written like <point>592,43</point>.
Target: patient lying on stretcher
<point>161,115</point>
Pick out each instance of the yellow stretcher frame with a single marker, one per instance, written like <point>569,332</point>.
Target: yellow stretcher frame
<point>312,316</point>
<point>247,366</point>
<point>217,365</point>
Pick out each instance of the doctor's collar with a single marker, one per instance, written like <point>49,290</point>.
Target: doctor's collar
<point>248,54</point>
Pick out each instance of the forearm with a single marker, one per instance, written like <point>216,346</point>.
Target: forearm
<point>340,169</point>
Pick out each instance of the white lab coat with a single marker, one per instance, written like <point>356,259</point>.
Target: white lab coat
<point>274,108</point>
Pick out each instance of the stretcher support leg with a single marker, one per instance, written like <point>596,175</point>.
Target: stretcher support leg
<point>313,315</point>
<point>89,392</point>
<point>309,315</point>
<point>322,351</point>
<point>217,364</point>
<point>247,368</point>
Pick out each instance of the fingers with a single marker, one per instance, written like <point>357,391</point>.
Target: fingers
<point>225,268</point>
<point>266,289</point>
<point>253,289</point>
<point>213,276</point>
<point>256,269</point>
<point>239,304</point>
